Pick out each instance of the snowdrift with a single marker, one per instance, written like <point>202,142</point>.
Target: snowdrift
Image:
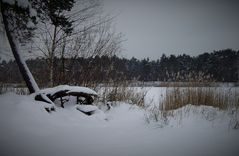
<point>27,129</point>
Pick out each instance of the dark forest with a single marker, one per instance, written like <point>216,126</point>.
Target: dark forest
<point>220,66</point>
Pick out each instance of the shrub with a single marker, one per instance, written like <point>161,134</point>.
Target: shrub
<point>222,98</point>
<point>122,92</point>
<point>197,92</point>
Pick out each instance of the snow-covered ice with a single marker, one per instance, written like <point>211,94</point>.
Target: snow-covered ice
<point>28,130</point>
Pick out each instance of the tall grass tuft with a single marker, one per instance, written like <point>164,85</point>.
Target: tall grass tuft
<point>18,89</point>
<point>221,98</point>
<point>121,92</point>
<point>198,92</point>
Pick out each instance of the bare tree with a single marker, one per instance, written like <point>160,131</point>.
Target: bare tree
<point>92,36</point>
<point>100,41</point>
<point>52,39</point>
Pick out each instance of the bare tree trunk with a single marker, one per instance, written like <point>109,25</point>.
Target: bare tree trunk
<point>52,55</point>
<point>63,61</point>
<point>237,69</point>
<point>51,72</point>
<point>26,74</point>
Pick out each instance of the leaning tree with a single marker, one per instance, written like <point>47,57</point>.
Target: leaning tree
<point>20,17</point>
<point>19,26</point>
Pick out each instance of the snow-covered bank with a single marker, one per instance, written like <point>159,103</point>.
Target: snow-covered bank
<point>27,129</point>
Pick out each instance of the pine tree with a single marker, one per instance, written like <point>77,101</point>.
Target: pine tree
<point>16,19</point>
<point>53,13</point>
<point>19,23</point>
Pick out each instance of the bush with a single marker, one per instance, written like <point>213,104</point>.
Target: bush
<point>196,94</point>
<point>122,92</point>
<point>221,98</point>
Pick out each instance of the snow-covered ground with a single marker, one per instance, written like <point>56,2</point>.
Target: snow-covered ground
<point>28,130</point>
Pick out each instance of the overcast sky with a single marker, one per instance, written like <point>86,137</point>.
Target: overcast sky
<point>153,27</point>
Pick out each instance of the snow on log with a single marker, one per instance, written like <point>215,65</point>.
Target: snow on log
<point>65,90</point>
<point>68,90</point>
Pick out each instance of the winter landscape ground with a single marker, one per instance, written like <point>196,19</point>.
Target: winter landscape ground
<point>191,108</point>
<point>126,129</point>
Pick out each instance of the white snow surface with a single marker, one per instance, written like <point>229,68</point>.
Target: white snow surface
<point>70,89</point>
<point>28,130</point>
<point>87,108</point>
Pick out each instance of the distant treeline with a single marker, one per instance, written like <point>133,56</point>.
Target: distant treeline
<point>220,66</point>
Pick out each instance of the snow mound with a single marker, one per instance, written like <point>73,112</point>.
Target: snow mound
<point>27,129</point>
<point>87,108</point>
<point>69,89</point>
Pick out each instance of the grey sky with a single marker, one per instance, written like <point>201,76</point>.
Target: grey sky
<point>153,27</point>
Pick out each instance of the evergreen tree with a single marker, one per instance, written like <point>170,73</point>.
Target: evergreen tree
<point>19,25</point>
<point>16,18</point>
